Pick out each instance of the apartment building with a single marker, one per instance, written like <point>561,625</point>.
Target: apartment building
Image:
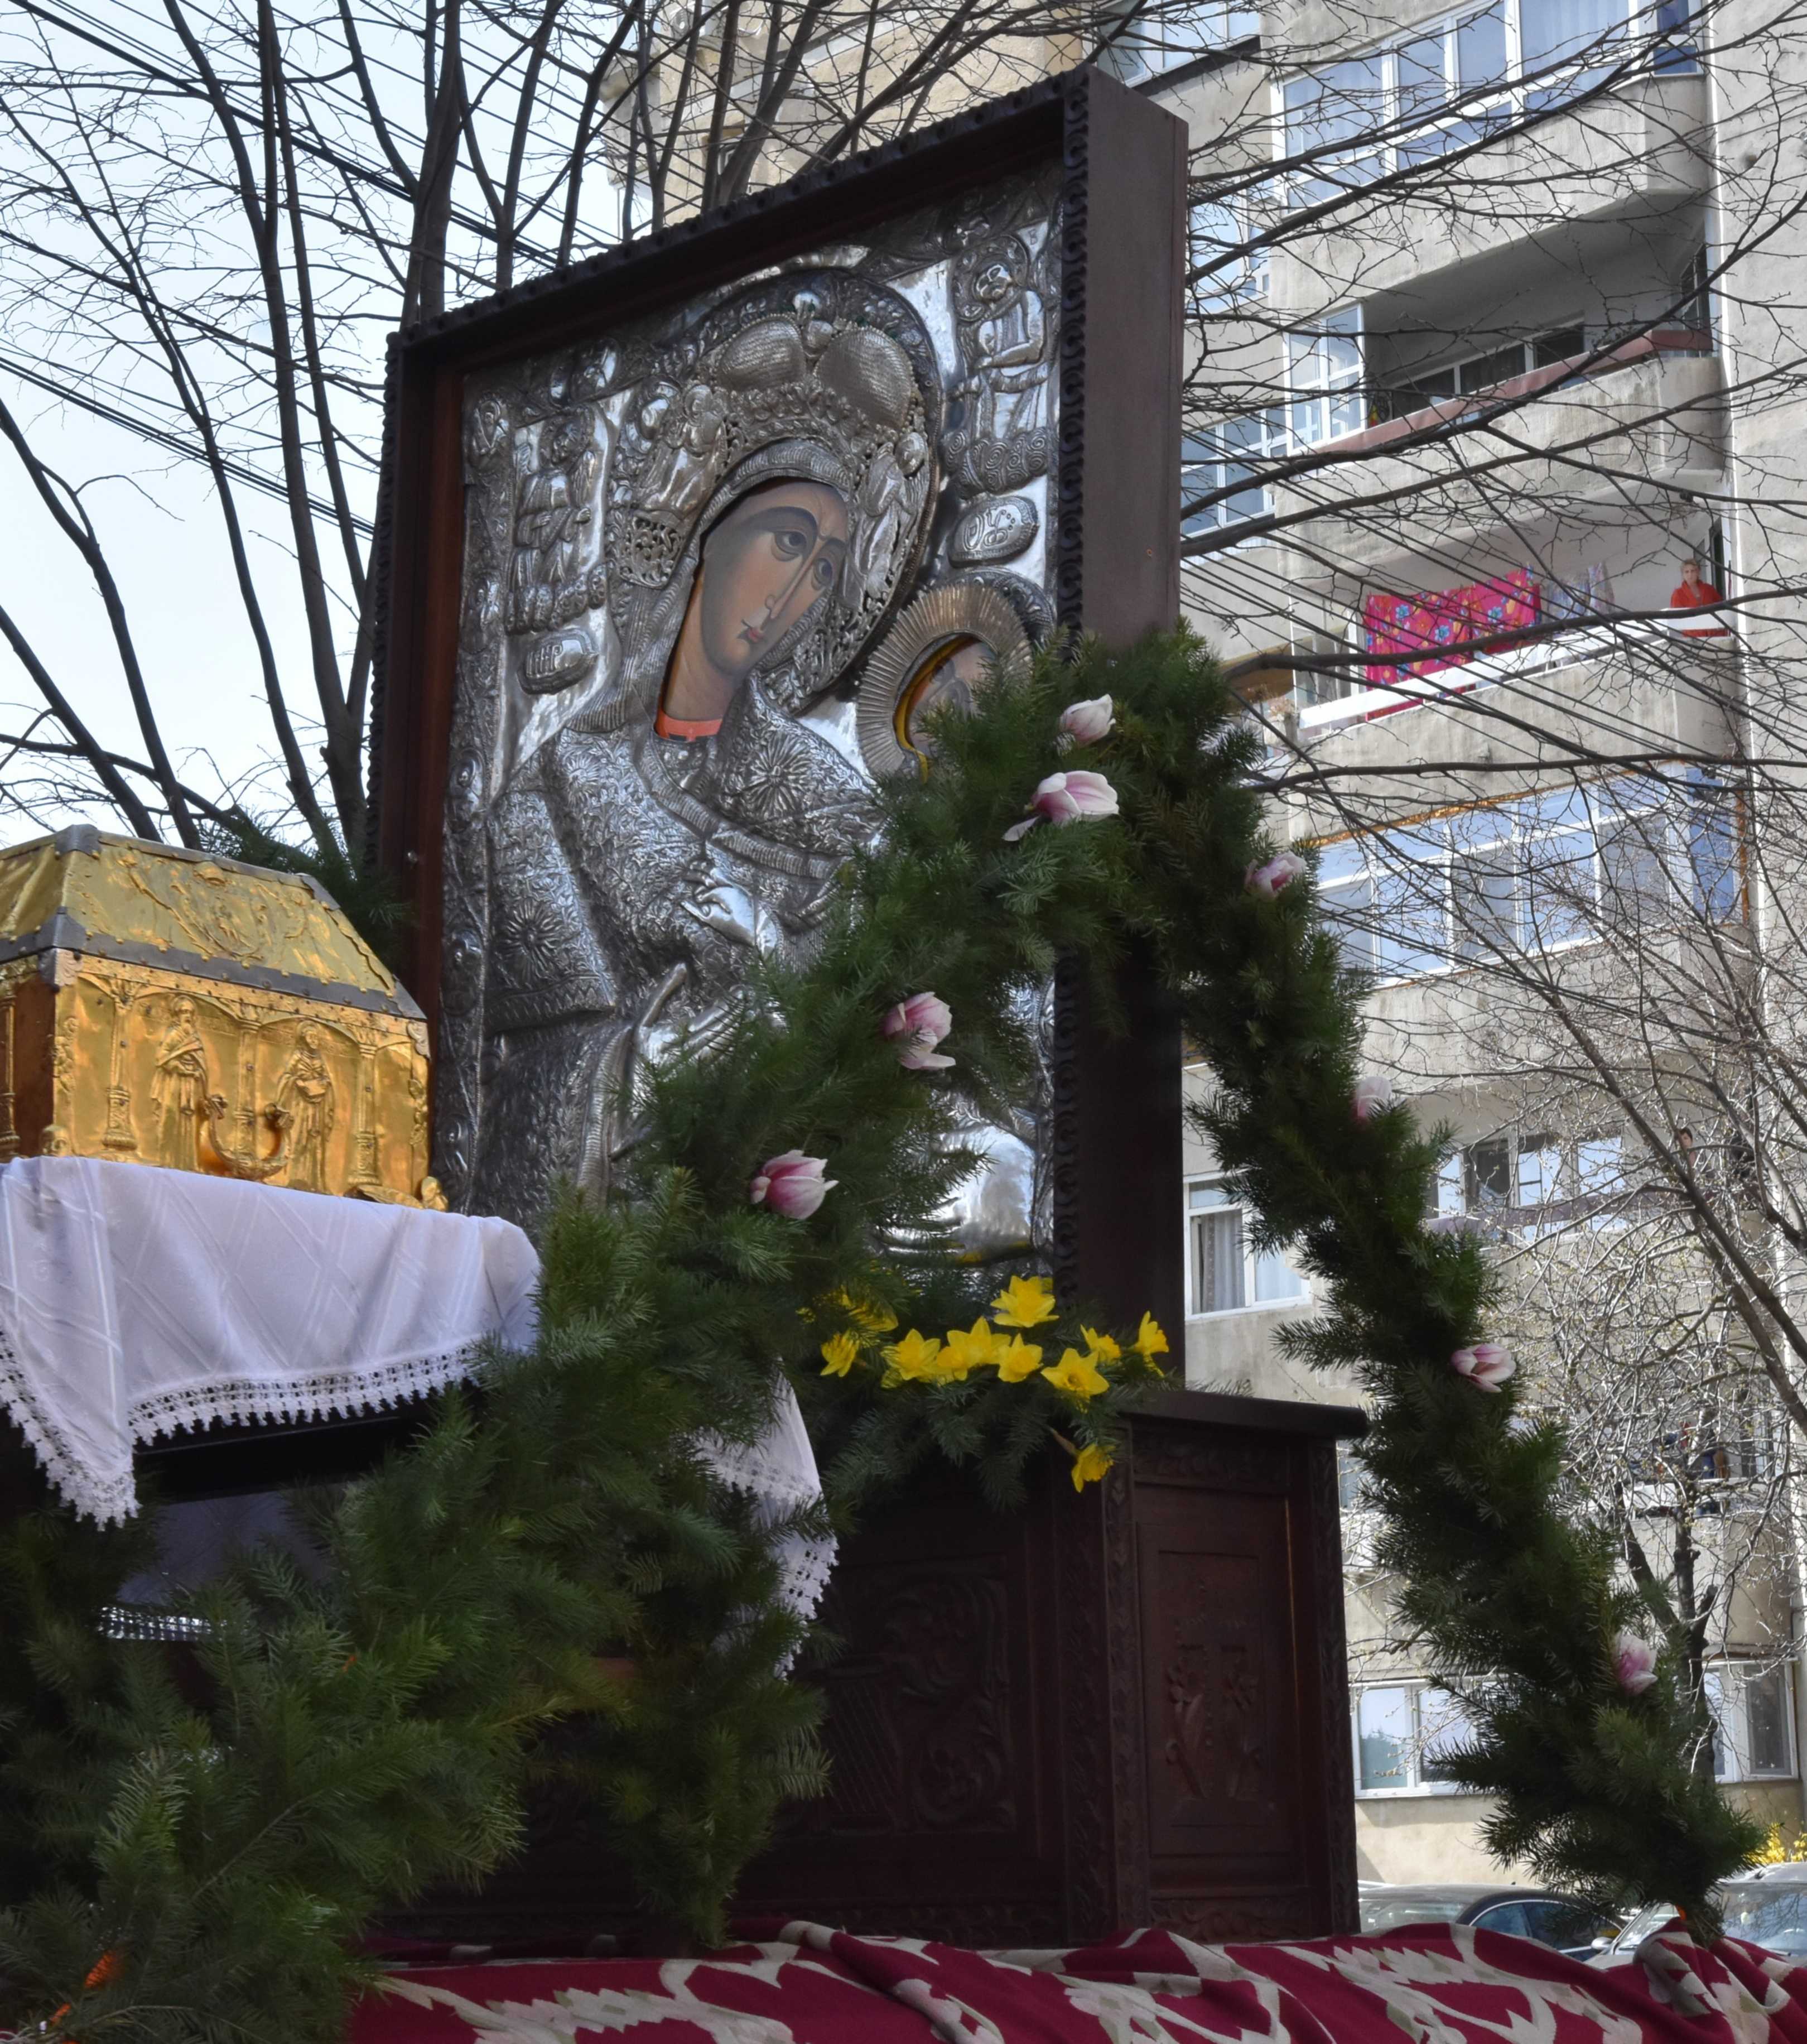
<point>1489,385</point>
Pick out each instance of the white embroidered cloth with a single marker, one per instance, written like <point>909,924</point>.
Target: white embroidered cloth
<point>135,1301</point>
<point>778,1469</point>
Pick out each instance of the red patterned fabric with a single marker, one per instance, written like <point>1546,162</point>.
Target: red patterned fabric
<point>1432,1984</point>
<point>1477,612</point>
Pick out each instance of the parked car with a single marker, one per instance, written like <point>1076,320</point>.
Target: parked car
<point>1766,1908</point>
<point>1576,1929</point>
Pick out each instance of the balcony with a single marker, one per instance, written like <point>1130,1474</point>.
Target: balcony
<point>1536,708</point>
<point>1624,158</point>
<point>1639,422</point>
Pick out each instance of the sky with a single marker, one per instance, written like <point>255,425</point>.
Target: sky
<point>161,526</point>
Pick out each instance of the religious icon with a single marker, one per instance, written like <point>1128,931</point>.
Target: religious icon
<point>768,493</point>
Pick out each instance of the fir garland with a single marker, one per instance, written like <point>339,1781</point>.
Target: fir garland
<point>191,1852</point>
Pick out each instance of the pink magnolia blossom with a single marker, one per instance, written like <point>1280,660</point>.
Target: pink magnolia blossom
<point>1487,1365</point>
<point>1279,872</point>
<point>1373,1091</point>
<point>917,1025</point>
<point>1634,1662</point>
<point>1067,798</point>
<point>792,1184</point>
<point>1085,723</point>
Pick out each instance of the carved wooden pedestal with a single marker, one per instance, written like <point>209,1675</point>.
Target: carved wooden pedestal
<point>1126,1708</point>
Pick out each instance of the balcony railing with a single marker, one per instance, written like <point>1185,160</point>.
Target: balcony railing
<point>1571,370</point>
<point>1566,648</point>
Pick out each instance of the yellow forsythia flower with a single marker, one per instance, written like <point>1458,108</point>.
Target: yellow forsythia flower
<point>1077,1374</point>
<point>1100,1348</point>
<point>840,1352</point>
<point>1024,1302</point>
<point>1017,1359</point>
<point>915,1357</point>
<point>1149,1339</point>
<point>1089,1465</point>
<point>972,1350</point>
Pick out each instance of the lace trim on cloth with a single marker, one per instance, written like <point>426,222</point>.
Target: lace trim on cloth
<point>331,1394</point>
<point>778,1471</point>
<point>109,1500</point>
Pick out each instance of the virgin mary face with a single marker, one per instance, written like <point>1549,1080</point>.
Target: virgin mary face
<point>766,561</point>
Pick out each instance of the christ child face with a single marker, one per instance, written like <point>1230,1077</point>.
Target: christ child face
<point>949,678</point>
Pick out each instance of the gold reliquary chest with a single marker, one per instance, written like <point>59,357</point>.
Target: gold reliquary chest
<point>163,1007</point>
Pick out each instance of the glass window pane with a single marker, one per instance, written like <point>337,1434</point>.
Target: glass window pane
<point>1507,1918</point>
<point>1338,104</point>
<point>1480,49</point>
<point>1231,271</point>
<point>1383,1738</point>
<point>1347,910</point>
<point>1343,860</point>
<point>1724,1766</point>
<point>1483,902</point>
<point>1443,1730</point>
<point>1411,914</point>
<point>1484,372</point>
<point>1634,880</point>
<point>1765,1711</point>
<point>1775,1918</point>
<point>1209,1194</point>
<point>1488,1183</point>
<point>1559,884</point>
<point>1556,808</point>
<point>1423,84</point>
<point>1713,847</point>
<point>1275,1278</point>
<point>1450,1188</point>
<point>1218,1269</point>
<point>1563,1926</point>
<point>1598,1164</point>
<point>1553,30</point>
<point>1540,1160</point>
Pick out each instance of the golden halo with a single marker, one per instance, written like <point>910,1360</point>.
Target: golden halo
<point>929,631</point>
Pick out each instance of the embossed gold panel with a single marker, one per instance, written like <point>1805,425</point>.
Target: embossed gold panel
<point>160,1007</point>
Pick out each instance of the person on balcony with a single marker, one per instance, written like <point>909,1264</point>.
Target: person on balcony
<point>1694,594</point>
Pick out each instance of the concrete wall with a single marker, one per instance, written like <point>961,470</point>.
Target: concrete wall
<point>1426,1838</point>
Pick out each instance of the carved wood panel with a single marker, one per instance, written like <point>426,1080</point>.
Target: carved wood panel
<point>1220,1695</point>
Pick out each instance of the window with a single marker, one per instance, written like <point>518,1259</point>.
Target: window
<point>1324,378</point>
<point>1342,103</point>
<point>1226,1272</point>
<point>1223,464</point>
<point>1751,1718</point>
<point>1230,273</point>
<point>1506,1175</point>
<point>1345,898</point>
<point>1406,1735</point>
<point>1476,374</point>
<point>1453,82</point>
<point>1539,873</point>
<point>1145,44</point>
